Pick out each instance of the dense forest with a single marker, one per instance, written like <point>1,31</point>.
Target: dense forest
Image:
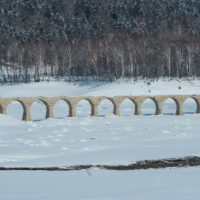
<point>99,39</point>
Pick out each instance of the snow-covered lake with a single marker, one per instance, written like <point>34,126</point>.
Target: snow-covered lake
<point>88,140</point>
<point>165,184</point>
<point>105,140</point>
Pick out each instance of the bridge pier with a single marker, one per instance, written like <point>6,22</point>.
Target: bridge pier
<point>198,105</point>
<point>158,108</point>
<point>49,113</point>
<point>138,108</point>
<point>179,110</point>
<point>27,112</point>
<point>72,110</point>
<point>3,108</point>
<point>94,112</point>
<point>116,109</point>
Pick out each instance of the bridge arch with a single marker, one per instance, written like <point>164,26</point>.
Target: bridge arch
<point>84,107</point>
<point>170,106</point>
<point>106,107</point>
<point>39,109</point>
<point>148,106</point>
<point>16,108</point>
<point>127,107</point>
<point>61,108</point>
<point>190,105</point>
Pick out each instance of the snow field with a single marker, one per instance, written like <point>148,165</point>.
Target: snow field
<point>104,140</point>
<point>109,139</point>
<point>98,184</point>
<point>120,88</point>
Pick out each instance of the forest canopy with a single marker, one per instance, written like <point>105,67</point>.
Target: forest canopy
<point>99,39</point>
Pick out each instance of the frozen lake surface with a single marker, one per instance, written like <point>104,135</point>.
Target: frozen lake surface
<point>105,140</point>
<point>98,184</point>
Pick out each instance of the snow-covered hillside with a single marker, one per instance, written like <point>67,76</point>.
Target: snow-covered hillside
<point>52,89</point>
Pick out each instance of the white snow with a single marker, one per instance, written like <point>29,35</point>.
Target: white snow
<point>52,89</point>
<point>108,139</point>
<point>105,140</point>
<point>165,184</point>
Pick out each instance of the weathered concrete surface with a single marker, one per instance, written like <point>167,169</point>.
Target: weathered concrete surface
<point>95,101</point>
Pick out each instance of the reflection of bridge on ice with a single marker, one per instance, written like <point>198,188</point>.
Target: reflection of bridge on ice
<point>96,101</point>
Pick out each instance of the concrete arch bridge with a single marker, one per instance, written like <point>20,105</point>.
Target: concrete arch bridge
<point>95,102</point>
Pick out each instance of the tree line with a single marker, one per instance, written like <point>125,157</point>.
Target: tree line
<point>99,40</point>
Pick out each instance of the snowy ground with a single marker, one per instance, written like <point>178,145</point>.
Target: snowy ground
<point>106,140</point>
<point>100,88</point>
<point>165,184</point>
